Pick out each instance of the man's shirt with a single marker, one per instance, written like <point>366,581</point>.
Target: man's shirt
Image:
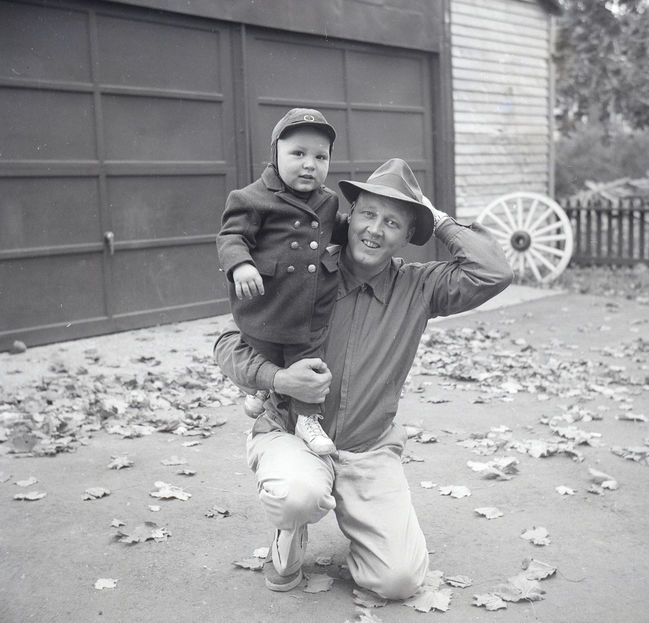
<point>375,331</point>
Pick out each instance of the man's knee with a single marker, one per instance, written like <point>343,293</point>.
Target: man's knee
<point>398,582</point>
<point>295,502</point>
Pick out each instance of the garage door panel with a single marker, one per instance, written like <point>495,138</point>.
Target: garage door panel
<point>145,129</point>
<point>382,135</point>
<point>44,43</point>
<point>388,80</point>
<point>37,293</point>
<point>39,212</point>
<point>295,71</point>
<point>146,54</point>
<point>47,125</point>
<point>164,207</point>
<point>165,277</point>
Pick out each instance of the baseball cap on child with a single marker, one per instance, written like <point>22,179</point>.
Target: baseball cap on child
<point>303,116</point>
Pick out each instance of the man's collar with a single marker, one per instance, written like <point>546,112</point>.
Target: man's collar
<point>379,285</point>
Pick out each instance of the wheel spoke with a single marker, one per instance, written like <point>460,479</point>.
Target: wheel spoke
<point>551,238</point>
<point>549,265</point>
<point>510,218</point>
<point>499,222</point>
<point>533,266</point>
<point>546,228</point>
<point>519,213</point>
<point>541,218</point>
<point>521,262</point>
<point>497,232</point>
<point>546,249</point>
<point>528,220</point>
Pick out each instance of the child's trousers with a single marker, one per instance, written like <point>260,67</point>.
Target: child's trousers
<point>369,491</point>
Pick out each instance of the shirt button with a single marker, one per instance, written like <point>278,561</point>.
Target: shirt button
<point>313,244</point>
<point>290,269</point>
<point>294,244</point>
<point>311,268</point>
<point>314,224</point>
<point>296,224</point>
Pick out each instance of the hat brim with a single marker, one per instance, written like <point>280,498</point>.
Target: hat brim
<point>425,221</point>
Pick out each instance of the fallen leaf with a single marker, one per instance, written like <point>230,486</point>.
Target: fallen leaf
<point>103,583</point>
<point>147,531</point>
<point>167,491</point>
<point>490,601</point>
<point>519,588</point>
<point>32,496</point>
<point>425,600</point>
<point>174,460</point>
<point>536,570</point>
<point>368,599</point>
<point>602,480</point>
<point>186,472</point>
<point>94,493</point>
<point>120,462</point>
<point>252,563</point>
<point>459,581</point>
<point>455,491</point>
<point>318,583</point>
<point>536,535</point>
<point>154,508</point>
<point>490,512</point>
<point>323,561</point>
<point>262,552</point>
<point>632,417</point>
<point>427,484</point>
<point>217,511</point>
<point>4,477</point>
<point>27,483</point>
<point>364,616</point>
<point>116,523</point>
<point>562,490</point>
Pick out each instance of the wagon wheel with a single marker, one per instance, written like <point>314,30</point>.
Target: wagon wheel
<point>534,232</point>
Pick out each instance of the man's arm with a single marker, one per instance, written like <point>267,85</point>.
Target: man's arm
<point>478,271</point>
<point>307,380</point>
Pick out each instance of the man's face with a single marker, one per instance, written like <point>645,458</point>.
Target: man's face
<point>379,227</point>
<point>303,159</point>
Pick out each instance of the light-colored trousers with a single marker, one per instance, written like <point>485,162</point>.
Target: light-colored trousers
<point>368,492</point>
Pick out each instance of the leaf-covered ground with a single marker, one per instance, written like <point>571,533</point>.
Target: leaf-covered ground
<point>125,493</point>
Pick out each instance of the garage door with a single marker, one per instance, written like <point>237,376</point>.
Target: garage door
<point>378,99</point>
<point>117,146</point>
<point>126,130</point>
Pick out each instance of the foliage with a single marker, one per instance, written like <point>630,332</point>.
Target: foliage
<point>601,55</point>
<point>585,155</point>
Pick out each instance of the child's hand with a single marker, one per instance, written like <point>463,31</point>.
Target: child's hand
<point>247,281</point>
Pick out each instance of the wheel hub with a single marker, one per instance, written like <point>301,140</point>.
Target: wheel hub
<point>521,240</point>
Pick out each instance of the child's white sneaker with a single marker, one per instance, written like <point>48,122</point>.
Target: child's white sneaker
<point>308,428</point>
<point>253,405</point>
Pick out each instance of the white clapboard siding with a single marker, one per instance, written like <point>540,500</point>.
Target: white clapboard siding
<point>501,100</point>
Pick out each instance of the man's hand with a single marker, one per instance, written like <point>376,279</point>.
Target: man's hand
<point>247,281</point>
<point>307,380</point>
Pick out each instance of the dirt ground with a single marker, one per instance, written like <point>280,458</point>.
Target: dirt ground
<point>53,550</point>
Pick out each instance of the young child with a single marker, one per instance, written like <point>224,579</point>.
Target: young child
<point>282,282</point>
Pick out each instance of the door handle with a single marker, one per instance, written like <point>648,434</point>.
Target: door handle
<point>109,240</point>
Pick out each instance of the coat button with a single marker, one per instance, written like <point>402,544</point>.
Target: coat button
<point>290,269</point>
<point>311,268</point>
<point>313,244</point>
<point>294,244</point>
<point>296,224</point>
<point>314,224</point>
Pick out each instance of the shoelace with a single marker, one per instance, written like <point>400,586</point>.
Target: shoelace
<point>313,427</point>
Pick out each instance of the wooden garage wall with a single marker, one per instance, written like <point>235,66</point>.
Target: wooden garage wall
<point>502,90</point>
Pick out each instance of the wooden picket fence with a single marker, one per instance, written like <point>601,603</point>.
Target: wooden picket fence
<point>609,232</point>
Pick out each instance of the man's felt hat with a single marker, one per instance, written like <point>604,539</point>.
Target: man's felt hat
<point>303,116</point>
<point>395,179</point>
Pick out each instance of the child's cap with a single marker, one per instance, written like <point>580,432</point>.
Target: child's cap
<point>302,116</point>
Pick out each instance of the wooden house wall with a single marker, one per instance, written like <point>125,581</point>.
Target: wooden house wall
<point>502,89</point>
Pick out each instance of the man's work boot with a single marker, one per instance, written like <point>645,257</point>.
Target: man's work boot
<point>287,554</point>
<point>308,428</point>
<point>253,405</point>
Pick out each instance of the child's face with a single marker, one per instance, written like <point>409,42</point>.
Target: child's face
<point>303,159</point>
